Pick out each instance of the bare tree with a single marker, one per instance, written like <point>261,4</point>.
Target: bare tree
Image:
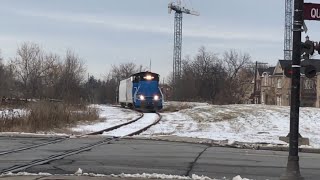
<point>72,75</point>
<point>201,77</point>
<point>124,70</point>
<point>52,75</point>
<point>239,76</point>
<point>29,68</point>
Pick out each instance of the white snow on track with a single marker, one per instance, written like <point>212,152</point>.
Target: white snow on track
<point>146,120</point>
<point>111,116</point>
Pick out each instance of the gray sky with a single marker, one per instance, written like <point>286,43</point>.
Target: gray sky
<point>106,32</point>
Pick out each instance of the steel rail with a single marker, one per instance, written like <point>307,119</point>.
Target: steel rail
<point>108,140</point>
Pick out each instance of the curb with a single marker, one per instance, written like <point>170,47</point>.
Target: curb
<point>224,143</point>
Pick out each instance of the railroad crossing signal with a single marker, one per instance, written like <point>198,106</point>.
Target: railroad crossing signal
<point>310,71</point>
<point>288,71</point>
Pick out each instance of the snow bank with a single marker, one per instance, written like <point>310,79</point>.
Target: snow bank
<point>164,176</point>
<point>242,123</point>
<point>123,175</point>
<point>13,113</point>
<point>25,174</point>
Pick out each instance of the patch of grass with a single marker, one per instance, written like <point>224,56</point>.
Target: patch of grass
<point>48,116</point>
<point>176,107</point>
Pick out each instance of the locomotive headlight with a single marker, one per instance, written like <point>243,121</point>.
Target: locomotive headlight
<point>156,97</point>
<point>148,77</point>
<point>141,97</point>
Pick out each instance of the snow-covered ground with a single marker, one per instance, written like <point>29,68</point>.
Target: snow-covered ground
<point>146,120</point>
<point>110,116</point>
<point>123,175</point>
<point>12,113</point>
<point>242,123</point>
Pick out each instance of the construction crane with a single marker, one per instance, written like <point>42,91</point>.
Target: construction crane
<point>288,30</point>
<point>179,10</point>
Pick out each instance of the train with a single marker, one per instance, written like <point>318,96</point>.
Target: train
<point>141,91</point>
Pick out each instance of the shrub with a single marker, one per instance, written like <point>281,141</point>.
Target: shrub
<point>48,116</point>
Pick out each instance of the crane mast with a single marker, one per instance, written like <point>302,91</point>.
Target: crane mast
<point>288,30</point>
<point>177,47</point>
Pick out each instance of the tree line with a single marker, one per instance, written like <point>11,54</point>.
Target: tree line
<point>37,74</point>
<point>218,80</point>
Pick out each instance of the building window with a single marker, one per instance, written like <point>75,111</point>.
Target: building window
<point>308,84</point>
<point>279,100</point>
<point>265,79</point>
<point>262,98</point>
<point>279,82</point>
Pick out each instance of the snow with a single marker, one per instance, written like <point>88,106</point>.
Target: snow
<point>12,113</point>
<point>228,123</point>
<point>25,174</point>
<point>164,176</point>
<point>112,116</point>
<point>123,175</point>
<point>242,123</point>
<point>35,134</point>
<point>146,120</point>
<point>78,172</point>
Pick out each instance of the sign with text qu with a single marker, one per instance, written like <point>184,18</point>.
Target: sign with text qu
<point>311,11</point>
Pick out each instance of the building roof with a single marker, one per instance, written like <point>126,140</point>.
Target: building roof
<point>315,62</point>
<point>269,70</point>
<point>284,63</point>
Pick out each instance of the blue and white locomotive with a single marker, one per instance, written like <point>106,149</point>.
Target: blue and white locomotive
<point>141,91</point>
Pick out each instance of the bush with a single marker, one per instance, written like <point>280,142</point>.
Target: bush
<point>48,116</point>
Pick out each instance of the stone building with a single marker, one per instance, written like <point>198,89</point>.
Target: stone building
<point>274,88</point>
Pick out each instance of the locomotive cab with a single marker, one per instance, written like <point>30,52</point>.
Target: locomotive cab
<point>146,92</point>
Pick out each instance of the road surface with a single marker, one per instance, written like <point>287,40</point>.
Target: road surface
<point>147,156</point>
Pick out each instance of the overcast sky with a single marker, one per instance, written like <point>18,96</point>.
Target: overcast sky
<point>106,32</point>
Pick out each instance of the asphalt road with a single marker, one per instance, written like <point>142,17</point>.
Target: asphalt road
<point>146,156</point>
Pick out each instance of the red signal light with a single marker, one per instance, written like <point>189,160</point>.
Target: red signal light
<point>288,71</point>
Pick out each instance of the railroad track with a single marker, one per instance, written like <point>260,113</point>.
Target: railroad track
<point>107,140</point>
<point>116,126</point>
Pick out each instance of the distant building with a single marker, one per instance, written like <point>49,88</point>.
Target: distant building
<point>274,88</point>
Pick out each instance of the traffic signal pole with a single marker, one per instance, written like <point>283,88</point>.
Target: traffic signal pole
<point>293,169</point>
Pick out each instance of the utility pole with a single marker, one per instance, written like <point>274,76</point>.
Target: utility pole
<point>150,65</point>
<point>293,169</point>
<point>255,83</point>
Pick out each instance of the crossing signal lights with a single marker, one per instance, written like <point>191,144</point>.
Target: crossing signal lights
<point>310,71</point>
<point>288,71</point>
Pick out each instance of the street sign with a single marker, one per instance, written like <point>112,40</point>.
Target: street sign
<point>311,11</point>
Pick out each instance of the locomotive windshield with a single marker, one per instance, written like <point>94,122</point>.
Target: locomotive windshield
<point>145,76</point>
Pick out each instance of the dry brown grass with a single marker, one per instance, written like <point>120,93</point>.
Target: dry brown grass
<point>176,107</point>
<point>48,116</point>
